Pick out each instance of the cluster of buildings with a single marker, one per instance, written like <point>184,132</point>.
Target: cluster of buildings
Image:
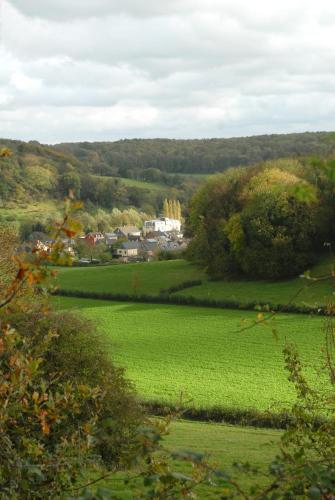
<point>129,243</point>
<point>125,243</point>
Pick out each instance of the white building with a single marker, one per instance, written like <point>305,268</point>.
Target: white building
<point>164,225</point>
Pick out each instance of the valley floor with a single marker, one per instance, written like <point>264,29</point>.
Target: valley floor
<point>202,357</point>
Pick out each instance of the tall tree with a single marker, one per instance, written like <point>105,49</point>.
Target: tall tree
<point>166,208</point>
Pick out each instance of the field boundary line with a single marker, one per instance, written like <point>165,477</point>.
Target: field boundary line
<point>182,300</point>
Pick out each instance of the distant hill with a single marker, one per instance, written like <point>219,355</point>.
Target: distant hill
<point>100,172</point>
<point>196,156</point>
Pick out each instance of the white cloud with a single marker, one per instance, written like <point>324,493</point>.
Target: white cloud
<point>76,69</point>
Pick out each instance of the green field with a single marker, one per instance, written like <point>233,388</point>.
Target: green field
<point>202,353</point>
<point>149,278</point>
<point>311,294</point>
<point>146,278</point>
<point>224,446</point>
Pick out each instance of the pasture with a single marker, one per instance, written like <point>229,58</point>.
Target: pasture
<point>202,353</point>
<point>150,278</point>
<point>142,278</point>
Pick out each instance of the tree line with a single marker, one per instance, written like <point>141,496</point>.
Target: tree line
<point>158,157</point>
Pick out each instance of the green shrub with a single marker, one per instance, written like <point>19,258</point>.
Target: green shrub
<point>77,353</point>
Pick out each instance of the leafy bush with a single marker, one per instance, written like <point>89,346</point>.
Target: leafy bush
<point>77,352</point>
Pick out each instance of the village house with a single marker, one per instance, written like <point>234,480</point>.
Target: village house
<point>126,250</point>
<point>128,232</point>
<point>94,238</point>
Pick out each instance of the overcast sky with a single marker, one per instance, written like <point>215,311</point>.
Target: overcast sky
<point>108,69</point>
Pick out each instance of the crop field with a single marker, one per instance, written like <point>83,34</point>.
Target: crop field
<point>146,278</point>
<point>224,446</point>
<point>202,353</point>
<point>149,278</point>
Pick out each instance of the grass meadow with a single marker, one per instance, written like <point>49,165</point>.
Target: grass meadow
<point>202,353</point>
<point>146,278</point>
<point>150,278</point>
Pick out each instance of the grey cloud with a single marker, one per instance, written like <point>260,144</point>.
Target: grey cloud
<point>61,10</point>
<point>183,68</point>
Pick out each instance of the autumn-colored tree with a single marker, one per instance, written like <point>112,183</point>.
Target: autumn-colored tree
<point>166,208</point>
<point>172,209</point>
<point>255,224</point>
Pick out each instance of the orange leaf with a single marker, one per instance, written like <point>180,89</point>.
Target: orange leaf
<point>44,424</point>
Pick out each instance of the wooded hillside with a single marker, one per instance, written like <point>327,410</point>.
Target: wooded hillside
<point>99,171</point>
<point>196,156</point>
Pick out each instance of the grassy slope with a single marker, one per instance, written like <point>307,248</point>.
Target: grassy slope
<point>151,277</point>
<point>224,444</point>
<point>202,353</point>
<point>142,277</point>
<point>152,186</point>
<point>31,211</point>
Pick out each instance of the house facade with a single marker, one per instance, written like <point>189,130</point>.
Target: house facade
<point>163,224</point>
<point>126,250</point>
<point>94,238</point>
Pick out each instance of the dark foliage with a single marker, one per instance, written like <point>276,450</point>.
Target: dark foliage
<point>235,416</point>
<point>180,286</point>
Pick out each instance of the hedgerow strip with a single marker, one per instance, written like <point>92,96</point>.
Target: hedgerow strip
<point>194,301</point>
<point>181,286</point>
<point>234,416</point>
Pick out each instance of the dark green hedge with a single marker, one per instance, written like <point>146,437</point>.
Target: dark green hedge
<point>180,286</point>
<point>193,301</point>
<point>234,416</point>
